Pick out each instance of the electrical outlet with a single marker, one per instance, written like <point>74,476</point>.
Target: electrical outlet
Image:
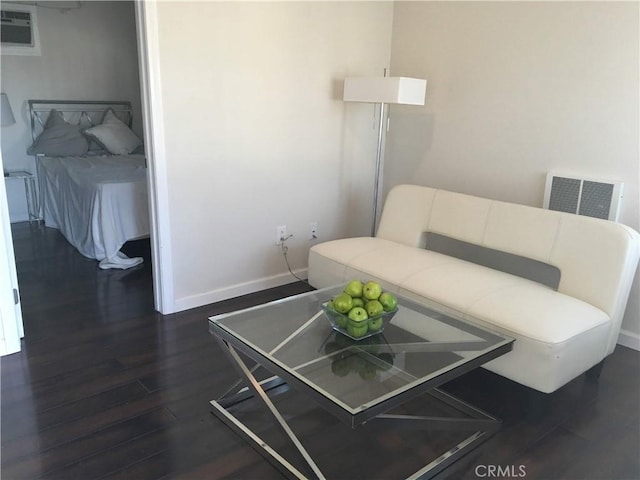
<point>313,230</point>
<point>281,234</point>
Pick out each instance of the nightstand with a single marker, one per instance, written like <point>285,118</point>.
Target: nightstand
<point>29,191</point>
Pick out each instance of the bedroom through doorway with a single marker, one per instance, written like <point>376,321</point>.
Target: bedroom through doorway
<point>88,52</point>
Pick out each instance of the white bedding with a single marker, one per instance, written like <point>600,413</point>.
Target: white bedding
<point>98,203</point>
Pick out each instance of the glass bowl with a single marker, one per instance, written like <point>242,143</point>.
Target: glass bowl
<point>355,330</point>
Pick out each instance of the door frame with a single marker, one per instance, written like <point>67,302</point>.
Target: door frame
<point>153,126</point>
<point>11,327</point>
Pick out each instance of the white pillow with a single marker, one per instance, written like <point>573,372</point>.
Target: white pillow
<point>114,135</point>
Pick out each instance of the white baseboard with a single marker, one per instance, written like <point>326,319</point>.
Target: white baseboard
<point>629,339</point>
<point>237,290</point>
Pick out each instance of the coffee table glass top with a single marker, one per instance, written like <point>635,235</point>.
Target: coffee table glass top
<point>417,346</point>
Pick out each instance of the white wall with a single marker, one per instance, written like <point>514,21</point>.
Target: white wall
<point>87,53</point>
<point>256,134</point>
<point>516,89</point>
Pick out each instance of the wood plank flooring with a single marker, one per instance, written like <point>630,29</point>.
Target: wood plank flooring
<point>105,387</point>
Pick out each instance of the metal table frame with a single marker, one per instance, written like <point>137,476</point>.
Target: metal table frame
<point>480,423</point>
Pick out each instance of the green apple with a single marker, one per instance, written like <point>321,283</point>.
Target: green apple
<point>358,302</point>
<point>373,308</point>
<point>375,324</point>
<point>389,301</point>
<point>341,319</point>
<point>341,367</point>
<point>338,318</point>
<point>368,371</point>
<point>354,288</point>
<point>358,325</point>
<point>371,290</point>
<point>342,303</point>
<point>357,331</point>
<point>357,363</point>
<point>358,314</point>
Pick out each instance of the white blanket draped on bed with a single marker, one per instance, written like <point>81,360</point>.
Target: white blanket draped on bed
<point>98,203</point>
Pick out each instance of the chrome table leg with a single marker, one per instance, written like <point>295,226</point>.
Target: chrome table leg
<point>259,393</point>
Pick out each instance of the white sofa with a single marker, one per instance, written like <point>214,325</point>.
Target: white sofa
<point>560,333</point>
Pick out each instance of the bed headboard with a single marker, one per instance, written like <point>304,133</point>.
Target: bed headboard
<point>77,112</point>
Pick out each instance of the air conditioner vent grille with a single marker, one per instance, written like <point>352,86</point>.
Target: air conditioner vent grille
<point>19,29</point>
<point>16,28</point>
<point>596,199</point>
<point>564,194</point>
<point>591,197</point>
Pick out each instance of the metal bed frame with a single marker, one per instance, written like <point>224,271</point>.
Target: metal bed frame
<point>74,112</point>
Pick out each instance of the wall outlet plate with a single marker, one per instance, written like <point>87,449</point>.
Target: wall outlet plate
<point>281,234</point>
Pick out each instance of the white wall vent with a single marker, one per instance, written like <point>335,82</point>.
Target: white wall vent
<point>592,197</point>
<point>19,30</point>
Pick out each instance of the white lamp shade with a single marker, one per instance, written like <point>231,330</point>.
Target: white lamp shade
<point>6,114</point>
<point>401,90</point>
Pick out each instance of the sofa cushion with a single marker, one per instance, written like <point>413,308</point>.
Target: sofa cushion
<point>459,216</point>
<point>394,263</point>
<point>457,285</point>
<point>406,225</point>
<point>537,313</point>
<point>557,337</point>
<point>387,262</point>
<point>328,261</point>
<point>522,230</point>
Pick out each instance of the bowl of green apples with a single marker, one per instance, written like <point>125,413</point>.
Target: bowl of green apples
<point>361,310</point>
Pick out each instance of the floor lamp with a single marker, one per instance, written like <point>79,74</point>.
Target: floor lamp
<point>383,90</point>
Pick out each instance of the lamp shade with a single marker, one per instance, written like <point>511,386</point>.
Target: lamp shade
<point>6,114</point>
<point>400,90</point>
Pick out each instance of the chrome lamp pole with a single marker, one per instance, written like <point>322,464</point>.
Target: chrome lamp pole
<point>379,169</point>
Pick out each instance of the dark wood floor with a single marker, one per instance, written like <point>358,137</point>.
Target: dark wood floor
<point>107,388</point>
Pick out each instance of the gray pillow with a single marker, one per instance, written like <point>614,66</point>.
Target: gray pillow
<point>59,139</point>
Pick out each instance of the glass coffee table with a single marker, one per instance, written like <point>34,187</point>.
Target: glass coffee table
<point>358,381</point>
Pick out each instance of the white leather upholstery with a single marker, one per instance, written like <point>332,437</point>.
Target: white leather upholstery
<point>402,225</point>
<point>511,228</point>
<point>558,334</point>
<point>459,216</point>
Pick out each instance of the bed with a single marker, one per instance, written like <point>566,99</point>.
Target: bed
<point>92,178</point>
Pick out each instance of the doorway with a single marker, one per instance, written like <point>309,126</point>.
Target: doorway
<point>141,16</point>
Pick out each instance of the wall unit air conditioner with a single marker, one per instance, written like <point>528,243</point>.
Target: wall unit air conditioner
<point>19,30</point>
<point>592,197</point>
